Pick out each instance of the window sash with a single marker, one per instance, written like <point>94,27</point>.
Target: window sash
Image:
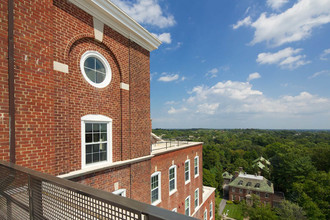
<point>187,171</point>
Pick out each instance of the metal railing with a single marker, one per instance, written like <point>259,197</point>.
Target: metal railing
<point>165,144</point>
<point>28,194</point>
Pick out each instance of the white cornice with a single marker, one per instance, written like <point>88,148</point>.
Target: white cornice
<point>108,13</point>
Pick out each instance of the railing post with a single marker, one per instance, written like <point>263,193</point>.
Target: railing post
<point>35,198</point>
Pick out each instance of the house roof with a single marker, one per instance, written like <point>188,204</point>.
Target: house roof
<point>261,159</point>
<point>111,15</point>
<point>227,175</point>
<point>252,182</point>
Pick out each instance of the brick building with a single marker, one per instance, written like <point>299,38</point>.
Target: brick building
<point>75,103</point>
<point>243,186</point>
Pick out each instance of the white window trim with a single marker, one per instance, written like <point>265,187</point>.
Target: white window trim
<point>196,175</point>
<point>159,188</point>
<point>104,61</point>
<point>97,119</point>
<point>175,180</point>
<point>120,191</point>
<point>196,207</point>
<point>175,210</point>
<point>205,214</point>
<point>188,197</point>
<point>211,210</point>
<point>187,181</point>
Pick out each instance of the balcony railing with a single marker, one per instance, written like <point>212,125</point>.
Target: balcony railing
<point>28,194</point>
<point>167,144</point>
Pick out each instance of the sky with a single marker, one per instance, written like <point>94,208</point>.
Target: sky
<point>238,63</point>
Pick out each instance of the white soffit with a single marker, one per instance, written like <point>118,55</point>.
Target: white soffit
<point>108,13</point>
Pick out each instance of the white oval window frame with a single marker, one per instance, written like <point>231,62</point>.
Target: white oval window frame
<point>108,73</point>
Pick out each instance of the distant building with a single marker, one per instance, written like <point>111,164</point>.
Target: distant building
<point>262,164</point>
<point>245,185</point>
<point>227,177</point>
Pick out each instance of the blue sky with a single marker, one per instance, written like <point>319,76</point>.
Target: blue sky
<point>238,64</point>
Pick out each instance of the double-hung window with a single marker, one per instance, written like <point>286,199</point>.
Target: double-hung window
<point>155,188</point>
<point>187,171</point>
<point>196,166</point>
<point>196,198</point>
<point>211,210</point>
<point>205,214</point>
<point>172,179</point>
<point>187,206</point>
<point>96,140</point>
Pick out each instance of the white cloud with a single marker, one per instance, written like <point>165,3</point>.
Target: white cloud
<point>245,22</point>
<point>294,24</point>
<point>276,4</point>
<point>212,73</point>
<point>146,12</point>
<point>320,73</point>
<point>253,76</point>
<point>164,37</point>
<point>324,55</point>
<point>287,58</point>
<point>177,46</point>
<point>168,77</point>
<point>176,111</point>
<point>239,97</point>
<point>207,108</point>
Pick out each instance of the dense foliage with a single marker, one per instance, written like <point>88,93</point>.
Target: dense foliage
<point>300,161</point>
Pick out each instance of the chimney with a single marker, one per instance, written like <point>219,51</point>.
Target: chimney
<point>240,169</point>
<point>259,173</point>
<point>236,174</point>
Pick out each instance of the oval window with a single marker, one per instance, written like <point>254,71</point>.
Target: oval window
<point>95,69</point>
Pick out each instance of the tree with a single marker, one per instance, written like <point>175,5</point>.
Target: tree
<point>258,211</point>
<point>290,211</point>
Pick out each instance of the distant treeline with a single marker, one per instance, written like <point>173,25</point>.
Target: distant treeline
<point>300,160</point>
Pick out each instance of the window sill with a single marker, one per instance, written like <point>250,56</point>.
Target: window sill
<point>188,181</point>
<point>173,191</point>
<point>196,175</point>
<point>156,202</point>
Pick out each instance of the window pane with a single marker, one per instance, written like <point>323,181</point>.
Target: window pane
<point>89,149</point>
<point>99,66</point>
<point>91,74</point>
<point>103,136</point>
<point>186,166</point>
<point>103,156</point>
<point>100,77</point>
<point>103,147</point>
<point>96,148</point>
<point>88,158</point>
<point>89,138</point>
<point>96,137</point>
<point>187,176</point>
<point>172,186</point>
<point>88,127</point>
<point>96,157</point>
<point>103,127</point>
<point>90,63</point>
<point>96,127</point>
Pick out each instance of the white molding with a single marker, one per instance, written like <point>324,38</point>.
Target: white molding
<point>98,29</point>
<point>61,67</point>
<point>111,15</point>
<point>124,86</point>
<point>196,175</point>
<point>187,181</point>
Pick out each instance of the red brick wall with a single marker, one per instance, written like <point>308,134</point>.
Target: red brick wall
<point>262,195</point>
<point>50,104</point>
<point>164,162</point>
<point>206,205</point>
<point>4,102</point>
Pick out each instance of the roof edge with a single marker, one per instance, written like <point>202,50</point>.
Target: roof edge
<point>111,15</point>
